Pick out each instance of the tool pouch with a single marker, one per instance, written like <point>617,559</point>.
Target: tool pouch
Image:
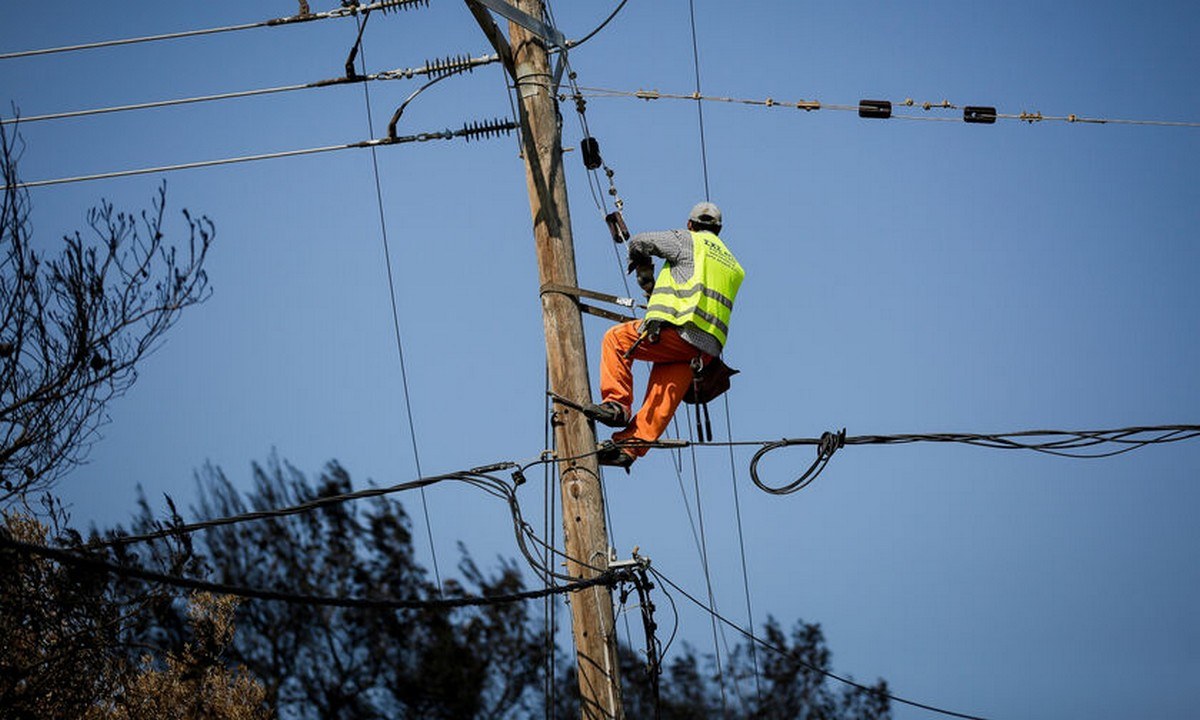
<point>709,380</point>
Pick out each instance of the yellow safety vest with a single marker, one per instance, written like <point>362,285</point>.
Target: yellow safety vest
<point>706,298</point>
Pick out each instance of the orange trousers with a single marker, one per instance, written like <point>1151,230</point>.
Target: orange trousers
<point>670,377</point>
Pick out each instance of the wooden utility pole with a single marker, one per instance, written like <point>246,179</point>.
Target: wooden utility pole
<point>586,536</point>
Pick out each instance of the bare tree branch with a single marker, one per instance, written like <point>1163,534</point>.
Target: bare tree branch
<point>74,326</point>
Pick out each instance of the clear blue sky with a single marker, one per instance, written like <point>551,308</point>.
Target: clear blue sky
<point>903,276</point>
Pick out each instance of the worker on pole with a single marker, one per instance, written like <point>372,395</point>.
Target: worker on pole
<point>686,325</point>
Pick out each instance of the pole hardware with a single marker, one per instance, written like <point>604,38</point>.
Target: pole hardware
<point>979,114</point>
<point>616,226</point>
<point>881,109</point>
<point>591,153</point>
<point>550,34</point>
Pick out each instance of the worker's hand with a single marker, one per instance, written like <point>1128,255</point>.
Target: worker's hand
<point>637,260</point>
<point>653,329</point>
<point>645,278</point>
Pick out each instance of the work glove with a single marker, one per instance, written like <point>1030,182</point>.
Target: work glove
<point>637,259</point>
<point>645,278</point>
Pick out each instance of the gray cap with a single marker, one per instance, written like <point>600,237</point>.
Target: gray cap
<point>706,213</point>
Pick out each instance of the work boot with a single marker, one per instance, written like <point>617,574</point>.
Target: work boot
<point>610,454</point>
<point>607,413</point>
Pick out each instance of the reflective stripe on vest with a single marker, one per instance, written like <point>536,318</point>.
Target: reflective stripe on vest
<point>706,298</point>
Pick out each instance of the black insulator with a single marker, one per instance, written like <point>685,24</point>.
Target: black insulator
<point>979,114</point>
<point>616,226</point>
<point>448,65</point>
<point>486,128</point>
<point>591,153</point>
<point>881,109</point>
<point>387,7</point>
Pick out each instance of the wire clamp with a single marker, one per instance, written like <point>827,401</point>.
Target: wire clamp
<point>636,561</point>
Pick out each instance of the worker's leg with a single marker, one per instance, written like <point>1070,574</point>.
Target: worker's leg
<point>668,384</point>
<point>616,372</point>
<point>670,378</point>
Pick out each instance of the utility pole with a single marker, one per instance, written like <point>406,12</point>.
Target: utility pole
<point>527,60</point>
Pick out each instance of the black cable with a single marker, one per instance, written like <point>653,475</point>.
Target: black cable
<point>737,507</point>
<point>699,105</point>
<point>387,257</point>
<point>814,668</point>
<point>137,573</point>
<point>1061,443</point>
<point>593,33</point>
<point>305,507</point>
<point>708,576</point>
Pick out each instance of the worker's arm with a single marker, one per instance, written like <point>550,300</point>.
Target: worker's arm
<point>671,245</point>
<point>674,246</point>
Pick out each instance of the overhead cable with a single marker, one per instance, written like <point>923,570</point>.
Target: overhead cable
<point>305,507</point>
<point>469,131</point>
<point>792,656</point>
<point>1063,443</point>
<point>60,555</point>
<point>598,28</point>
<point>483,478</point>
<point>876,108</point>
<point>698,96</point>
<point>304,16</point>
<point>387,257</point>
<point>431,68</point>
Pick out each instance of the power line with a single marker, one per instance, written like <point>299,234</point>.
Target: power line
<point>698,96</point>
<point>302,17</point>
<point>1063,443</point>
<point>737,509</point>
<point>304,507</point>
<point>387,256</point>
<point>812,105</point>
<point>598,28</point>
<point>469,131</point>
<point>434,67</point>
<point>780,651</point>
<point>728,423</point>
<point>609,577</point>
<point>482,478</point>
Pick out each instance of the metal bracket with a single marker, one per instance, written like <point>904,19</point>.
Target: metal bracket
<point>527,21</point>
<point>636,561</point>
<point>546,32</point>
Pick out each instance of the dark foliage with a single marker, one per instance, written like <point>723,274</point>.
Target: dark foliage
<point>485,662</point>
<point>790,684</point>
